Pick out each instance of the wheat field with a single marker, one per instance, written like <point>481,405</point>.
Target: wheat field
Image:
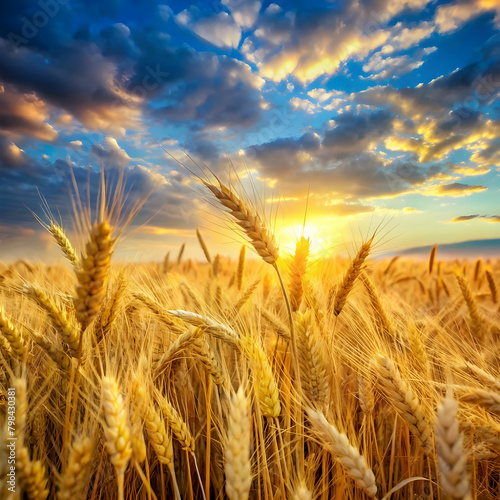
<point>267,377</point>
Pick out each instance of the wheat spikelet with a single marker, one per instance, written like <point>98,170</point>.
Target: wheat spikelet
<point>365,393</point>
<point>212,327</point>
<point>346,454</point>
<point>477,269</point>
<point>157,309</point>
<point>245,296</point>
<point>61,322</point>
<point>302,492</point>
<point>483,376</point>
<point>278,327</point>
<point>192,296</point>
<point>181,343</point>
<point>417,348</point>
<point>432,257</point>
<point>241,267</point>
<point>178,426</point>
<point>475,319</point>
<point>203,246</point>
<point>237,464</point>
<point>64,244</point>
<point>93,274</point>
<point>452,461</point>
<point>482,397</point>
<point>298,268</point>
<point>405,402</point>
<point>267,390</point>
<point>110,312</point>
<point>380,313</point>
<point>57,355</point>
<point>179,255</point>
<point>350,277</point>
<point>13,340</point>
<point>154,425</point>
<point>116,430</point>
<point>492,285</point>
<point>216,265</point>
<point>259,235</point>
<point>166,263</point>
<point>313,370</point>
<point>202,351</point>
<point>31,475</point>
<point>73,481</point>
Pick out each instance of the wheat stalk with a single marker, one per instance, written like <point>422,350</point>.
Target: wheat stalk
<point>492,285</point>
<point>475,319</point>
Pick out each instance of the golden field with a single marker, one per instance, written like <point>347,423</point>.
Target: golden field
<point>268,377</point>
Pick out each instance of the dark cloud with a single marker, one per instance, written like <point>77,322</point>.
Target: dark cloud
<point>465,218</point>
<point>459,189</point>
<point>355,132</point>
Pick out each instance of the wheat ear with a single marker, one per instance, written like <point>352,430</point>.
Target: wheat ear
<point>237,464</point>
<point>178,426</point>
<point>432,257</point>
<point>31,475</point>
<point>12,336</point>
<point>492,285</point>
<point>61,322</point>
<point>383,320</point>
<point>74,480</point>
<point>489,400</point>
<point>116,430</point>
<point>298,268</point>
<point>259,235</point>
<point>399,394</point>
<point>451,458</point>
<point>350,277</point>
<point>203,246</point>
<point>241,267</point>
<point>267,390</point>
<point>64,244</point>
<point>181,343</point>
<point>346,454</point>
<point>313,369</point>
<point>93,274</point>
<point>475,319</point>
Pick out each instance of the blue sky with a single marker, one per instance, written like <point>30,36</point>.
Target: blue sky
<point>384,110</point>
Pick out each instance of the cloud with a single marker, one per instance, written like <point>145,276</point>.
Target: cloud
<point>382,68</point>
<point>222,92</point>
<point>458,189</point>
<point>220,29</point>
<point>25,115</point>
<point>465,218</point>
<point>348,209</point>
<point>317,41</point>
<point>450,17</point>
<point>244,12</point>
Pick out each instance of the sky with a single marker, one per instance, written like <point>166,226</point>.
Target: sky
<point>384,111</point>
